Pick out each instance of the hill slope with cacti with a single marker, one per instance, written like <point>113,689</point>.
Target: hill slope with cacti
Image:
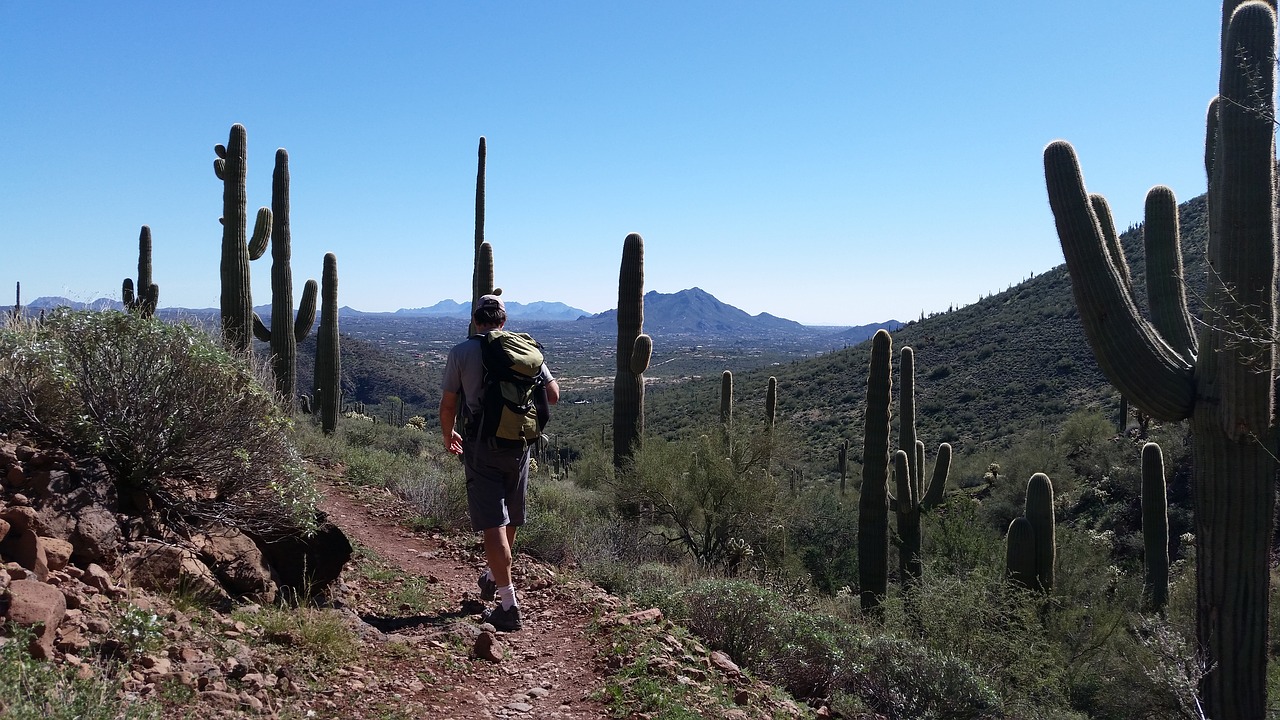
<point>1012,362</point>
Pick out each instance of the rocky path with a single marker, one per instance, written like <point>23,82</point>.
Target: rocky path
<point>549,669</point>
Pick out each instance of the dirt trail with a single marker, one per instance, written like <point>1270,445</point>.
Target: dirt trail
<point>550,667</point>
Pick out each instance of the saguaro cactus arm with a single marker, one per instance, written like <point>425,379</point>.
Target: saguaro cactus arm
<point>938,483</point>
<point>1155,528</point>
<point>1166,289</point>
<point>1129,351</point>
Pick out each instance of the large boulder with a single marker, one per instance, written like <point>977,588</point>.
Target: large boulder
<point>79,505</point>
<point>40,608</point>
<point>238,562</point>
<point>22,544</point>
<point>162,567</point>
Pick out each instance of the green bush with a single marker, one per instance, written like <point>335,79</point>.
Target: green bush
<point>171,412</point>
<point>33,689</point>
<point>713,498</point>
<point>904,681</point>
<point>561,518</point>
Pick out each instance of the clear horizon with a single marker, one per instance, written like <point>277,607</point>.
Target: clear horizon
<point>824,162</point>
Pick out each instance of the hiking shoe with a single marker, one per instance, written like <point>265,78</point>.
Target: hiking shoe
<point>505,620</point>
<point>488,588</point>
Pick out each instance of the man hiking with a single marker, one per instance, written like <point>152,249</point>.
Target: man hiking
<point>496,467</point>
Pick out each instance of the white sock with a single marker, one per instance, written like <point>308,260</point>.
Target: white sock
<point>507,596</point>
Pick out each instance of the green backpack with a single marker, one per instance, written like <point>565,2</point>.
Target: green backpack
<point>513,406</point>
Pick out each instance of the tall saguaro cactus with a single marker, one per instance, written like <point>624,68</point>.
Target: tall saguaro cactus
<point>634,351</point>
<point>913,495</point>
<point>1155,528</point>
<point>477,286</point>
<point>1224,384</point>
<point>873,502</point>
<point>143,302</point>
<point>328,370</point>
<point>482,268</point>
<point>285,332</point>
<point>237,295</point>
<point>726,410</point>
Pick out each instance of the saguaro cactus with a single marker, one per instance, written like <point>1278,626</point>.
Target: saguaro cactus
<point>1155,529</point>
<point>237,295</point>
<point>634,351</point>
<point>771,403</point>
<point>1031,545</point>
<point>873,502</point>
<point>726,410</point>
<point>148,293</point>
<point>482,269</point>
<point>328,370</point>
<point>285,332</point>
<point>842,461</point>
<point>770,419</point>
<point>912,493</point>
<point>1225,383</point>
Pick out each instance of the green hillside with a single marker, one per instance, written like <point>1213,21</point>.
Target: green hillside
<point>986,373</point>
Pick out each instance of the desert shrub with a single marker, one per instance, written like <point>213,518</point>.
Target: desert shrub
<point>616,553</point>
<point>712,498</point>
<point>33,689</point>
<point>437,491</point>
<point>167,408</point>
<point>561,518</point>
<point>759,629</point>
<point>955,542</point>
<point>823,532</point>
<point>994,630</point>
<point>905,681</point>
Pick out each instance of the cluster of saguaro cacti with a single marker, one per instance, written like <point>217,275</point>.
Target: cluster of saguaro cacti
<point>143,302</point>
<point>913,495</point>
<point>634,351</point>
<point>1031,546</point>
<point>285,332</point>
<point>1155,529</point>
<point>1223,383</point>
<point>237,295</point>
<point>328,370</point>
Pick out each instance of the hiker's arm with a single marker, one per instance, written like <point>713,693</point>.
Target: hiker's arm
<point>553,392</point>
<point>449,413</point>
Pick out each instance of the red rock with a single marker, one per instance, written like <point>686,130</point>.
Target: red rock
<point>488,648</point>
<point>40,607</point>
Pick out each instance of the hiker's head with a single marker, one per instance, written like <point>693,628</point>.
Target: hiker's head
<point>490,312</point>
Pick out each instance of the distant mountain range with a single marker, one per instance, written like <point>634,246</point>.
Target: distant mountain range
<point>687,312</point>
<point>546,311</point>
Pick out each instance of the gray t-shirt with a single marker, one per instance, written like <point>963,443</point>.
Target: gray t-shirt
<point>464,374</point>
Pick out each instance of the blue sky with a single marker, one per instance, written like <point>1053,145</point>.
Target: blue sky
<point>829,162</point>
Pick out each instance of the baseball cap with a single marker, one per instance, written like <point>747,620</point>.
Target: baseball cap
<point>490,301</point>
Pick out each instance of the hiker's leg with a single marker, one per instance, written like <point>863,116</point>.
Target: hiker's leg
<point>497,552</point>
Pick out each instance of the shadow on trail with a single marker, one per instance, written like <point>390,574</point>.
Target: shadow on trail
<point>394,624</point>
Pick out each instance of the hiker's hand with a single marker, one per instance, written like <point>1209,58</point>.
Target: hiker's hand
<point>454,444</point>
